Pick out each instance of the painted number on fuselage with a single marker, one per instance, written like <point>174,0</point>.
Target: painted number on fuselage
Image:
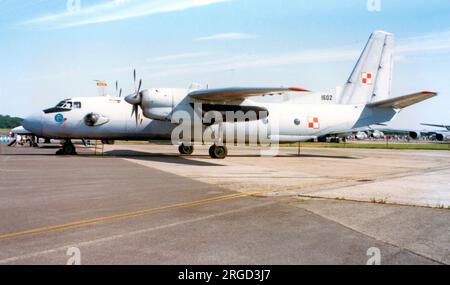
<point>327,97</point>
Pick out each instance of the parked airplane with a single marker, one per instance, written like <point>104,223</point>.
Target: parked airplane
<point>366,100</point>
<point>440,135</point>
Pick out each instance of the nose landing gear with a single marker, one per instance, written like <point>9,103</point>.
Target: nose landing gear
<point>67,149</point>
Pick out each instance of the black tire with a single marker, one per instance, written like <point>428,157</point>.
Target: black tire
<point>211,151</point>
<point>69,149</point>
<point>219,152</point>
<point>186,149</point>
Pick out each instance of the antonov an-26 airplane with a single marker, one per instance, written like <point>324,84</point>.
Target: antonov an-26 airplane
<point>366,100</point>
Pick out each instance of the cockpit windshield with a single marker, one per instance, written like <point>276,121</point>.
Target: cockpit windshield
<point>64,106</point>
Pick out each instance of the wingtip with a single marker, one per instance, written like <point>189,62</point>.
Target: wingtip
<point>430,93</point>
<point>298,89</point>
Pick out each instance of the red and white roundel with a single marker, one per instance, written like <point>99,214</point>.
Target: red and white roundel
<point>313,123</point>
<point>366,78</point>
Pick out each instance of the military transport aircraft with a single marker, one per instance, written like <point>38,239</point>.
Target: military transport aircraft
<point>155,113</point>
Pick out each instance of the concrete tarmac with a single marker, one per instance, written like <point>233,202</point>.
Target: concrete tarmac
<point>144,204</point>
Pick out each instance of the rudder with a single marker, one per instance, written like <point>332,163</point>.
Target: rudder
<point>371,79</point>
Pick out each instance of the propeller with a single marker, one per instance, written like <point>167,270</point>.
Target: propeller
<point>118,92</point>
<point>136,98</point>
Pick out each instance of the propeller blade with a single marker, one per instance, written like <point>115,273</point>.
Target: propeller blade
<point>134,77</point>
<point>117,86</point>
<point>136,113</point>
<point>120,93</point>
<point>139,88</point>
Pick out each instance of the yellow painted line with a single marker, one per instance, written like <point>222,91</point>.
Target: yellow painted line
<point>133,214</point>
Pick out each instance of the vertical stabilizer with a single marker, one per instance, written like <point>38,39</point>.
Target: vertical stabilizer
<point>371,79</point>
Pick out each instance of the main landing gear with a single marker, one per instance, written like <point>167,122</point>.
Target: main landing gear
<point>186,149</point>
<point>215,151</point>
<point>67,149</point>
<point>218,151</point>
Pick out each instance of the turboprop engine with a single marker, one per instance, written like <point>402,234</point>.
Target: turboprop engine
<point>156,104</point>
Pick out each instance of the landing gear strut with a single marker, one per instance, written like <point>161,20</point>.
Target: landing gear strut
<point>67,149</point>
<point>218,152</point>
<point>186,149</point>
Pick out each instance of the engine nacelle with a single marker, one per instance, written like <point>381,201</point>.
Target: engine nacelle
<point>414,135</point>
<point>157,104</point>
<point>441,137</point>
<point>361,135</point>
<point>377,134</point>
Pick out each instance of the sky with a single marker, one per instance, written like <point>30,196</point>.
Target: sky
<point>55,49</point>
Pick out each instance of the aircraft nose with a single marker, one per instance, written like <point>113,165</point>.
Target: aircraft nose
<point>33,124</point>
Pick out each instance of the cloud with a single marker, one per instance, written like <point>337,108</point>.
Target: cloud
<point>414,46</point>
<point>116,10</point>
<point>180,56</point>
<point>228,37</point>
<point>431,43</point>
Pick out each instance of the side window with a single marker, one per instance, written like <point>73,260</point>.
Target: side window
<point>77,105</point>
<point>68,105</point>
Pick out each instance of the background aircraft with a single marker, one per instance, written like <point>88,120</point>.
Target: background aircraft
<point>440,135</point>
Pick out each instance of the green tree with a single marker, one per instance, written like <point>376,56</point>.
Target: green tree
<point>7,122</point>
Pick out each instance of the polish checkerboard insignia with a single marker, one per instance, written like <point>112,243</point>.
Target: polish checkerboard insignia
<point>313,123</point>
<point>366,78</point>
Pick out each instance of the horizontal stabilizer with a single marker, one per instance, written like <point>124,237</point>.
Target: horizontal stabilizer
<point>239,93</point>
<point>403,101</point>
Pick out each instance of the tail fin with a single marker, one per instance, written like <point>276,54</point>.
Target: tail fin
<point>371,78</point>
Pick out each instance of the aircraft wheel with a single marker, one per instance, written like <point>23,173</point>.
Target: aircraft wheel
<point>68,149</point>
<point>218,152</point>
<point>186,149</point>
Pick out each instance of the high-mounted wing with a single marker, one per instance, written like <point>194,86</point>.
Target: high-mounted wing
<point>224,95</point>
<point>403,101</point>
<point>438,126</point>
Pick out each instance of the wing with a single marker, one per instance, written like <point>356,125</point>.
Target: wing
<point>403,101</point>
<point>233,94</point>
<point>438,126</point>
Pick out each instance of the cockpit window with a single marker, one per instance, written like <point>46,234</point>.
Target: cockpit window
<point>60,104</point>
<point>77,105</point>
<point>63,106</point>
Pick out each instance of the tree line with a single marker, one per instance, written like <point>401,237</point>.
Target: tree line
<point>7,122</point>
